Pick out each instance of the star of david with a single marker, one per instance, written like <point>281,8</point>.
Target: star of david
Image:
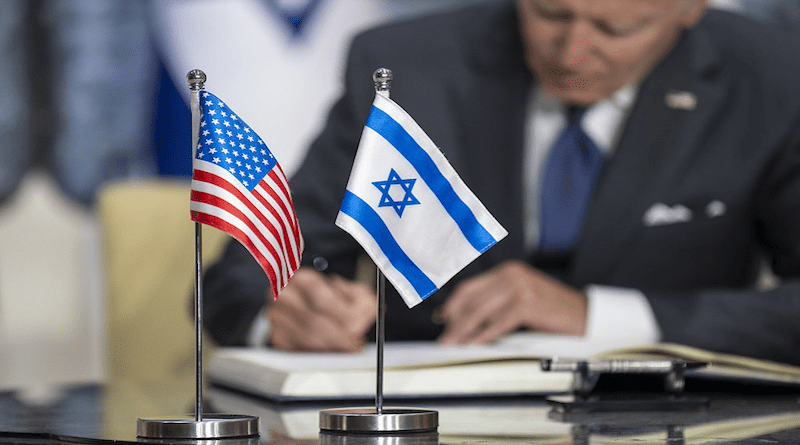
<point>386,187</point>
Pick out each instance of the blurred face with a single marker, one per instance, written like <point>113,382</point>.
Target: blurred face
<point>584,50</point>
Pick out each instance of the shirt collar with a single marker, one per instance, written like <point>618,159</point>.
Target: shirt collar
<point>603,120</point>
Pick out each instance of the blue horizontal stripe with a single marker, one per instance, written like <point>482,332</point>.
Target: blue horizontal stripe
<point>392,131</point>
<point>356,208</point>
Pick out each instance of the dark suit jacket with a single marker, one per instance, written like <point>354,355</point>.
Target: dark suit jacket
<point>463,78</point>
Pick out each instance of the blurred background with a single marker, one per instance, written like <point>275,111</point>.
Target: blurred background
<point>95,159</point>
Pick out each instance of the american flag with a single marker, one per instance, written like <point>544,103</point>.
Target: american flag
<point>239,188</point>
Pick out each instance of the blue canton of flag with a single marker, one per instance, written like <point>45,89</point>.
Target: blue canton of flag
<point>228,142</point>
<point>239,188</point>
<point>408,207</point>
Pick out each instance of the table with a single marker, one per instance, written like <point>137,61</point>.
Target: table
<point>99,414</point>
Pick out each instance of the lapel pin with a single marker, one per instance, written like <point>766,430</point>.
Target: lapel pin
<point>681,100</point>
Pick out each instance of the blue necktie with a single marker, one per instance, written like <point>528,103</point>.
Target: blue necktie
<point>569,180</point>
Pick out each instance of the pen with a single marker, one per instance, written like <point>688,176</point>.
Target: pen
<point>619,366</point>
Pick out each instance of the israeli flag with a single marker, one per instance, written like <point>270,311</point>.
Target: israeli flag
<point>409,209</point>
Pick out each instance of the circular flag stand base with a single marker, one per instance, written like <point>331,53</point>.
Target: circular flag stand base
<point>213,426</point>
<point>369,421</point>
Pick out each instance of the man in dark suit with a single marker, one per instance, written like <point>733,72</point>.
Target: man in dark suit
<point>693,122</point>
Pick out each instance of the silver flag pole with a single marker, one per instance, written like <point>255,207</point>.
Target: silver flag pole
<point>197,81</point>
<point>380,335</point>
<point>383,84</point>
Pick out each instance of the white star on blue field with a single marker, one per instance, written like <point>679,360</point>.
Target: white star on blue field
<point>386,198</point>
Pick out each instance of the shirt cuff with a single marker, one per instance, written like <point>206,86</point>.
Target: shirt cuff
<point>620,316</point>
<point>259,331</point>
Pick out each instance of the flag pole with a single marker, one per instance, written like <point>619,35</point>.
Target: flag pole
<point>383,85</point>
<point>196,84</point>
<point>379,420</point>
<point>216,426</point>
<point>380,335</point>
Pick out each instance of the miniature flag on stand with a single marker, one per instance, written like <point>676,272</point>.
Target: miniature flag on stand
<point>409,209</point>
<point>239,188</point>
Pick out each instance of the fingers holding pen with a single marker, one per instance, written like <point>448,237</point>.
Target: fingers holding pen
<point>318,313</point>
<point>362,305</point>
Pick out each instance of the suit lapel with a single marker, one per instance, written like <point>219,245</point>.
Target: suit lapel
<point>495,97</point>
<point>663,130</point>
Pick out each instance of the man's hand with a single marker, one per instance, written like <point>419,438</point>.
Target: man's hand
<point>513,295</point>
<point>319,313</point>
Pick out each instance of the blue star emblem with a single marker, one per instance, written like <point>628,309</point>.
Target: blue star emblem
<point>386,187</point>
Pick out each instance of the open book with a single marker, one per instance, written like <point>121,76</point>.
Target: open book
<point>416,370</point>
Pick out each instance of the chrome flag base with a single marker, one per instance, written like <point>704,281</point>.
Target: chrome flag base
<point>214,426</point>
<point>368,420</point>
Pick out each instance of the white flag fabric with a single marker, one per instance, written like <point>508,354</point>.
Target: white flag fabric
<point>409,209</point>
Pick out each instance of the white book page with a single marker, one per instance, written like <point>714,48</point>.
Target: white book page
<point>406,354</point>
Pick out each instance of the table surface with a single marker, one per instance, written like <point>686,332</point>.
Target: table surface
<point>109,414</point>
